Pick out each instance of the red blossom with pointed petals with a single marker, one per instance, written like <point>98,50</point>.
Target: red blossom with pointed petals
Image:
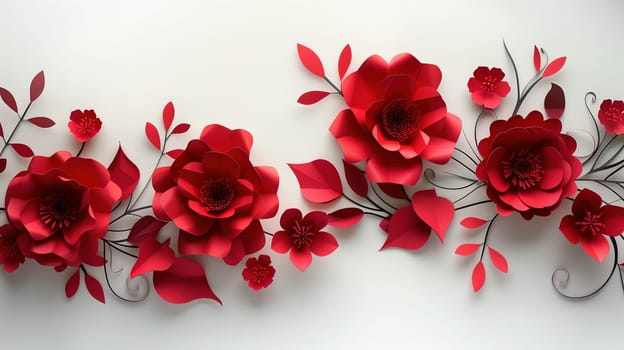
<point>528,165</point>
<point>396,119</point>
<point>11,255</point>
<point>84,124</point>
<point>215,196</point>
<point>487,87</point>
<point>258,272</point>
<point>590,222</point>
<point>302,236</point>
<point>611,116</point>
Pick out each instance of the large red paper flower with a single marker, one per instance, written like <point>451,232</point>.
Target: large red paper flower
<point>396,119</point>
<point>84,124</point>
<point>258,272</point>
<point>216,196</point>
<point>11,255</point>
<point>61,206</point>
<point>590,222</point>
<point>611,116</point>
<point>302,236</point>
<point>487,87</point>
<point>528,165</point>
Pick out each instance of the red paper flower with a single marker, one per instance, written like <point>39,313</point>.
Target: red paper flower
<point>11,255</point>
<point>528,165</point>
<point>611,116</point>
<point>259,272</point>
<point>590,222</point>
<point>84,124</point>
<point>61,206</point>
<point>303,237</point>
<point>216,196</point>
<point>396,119</point>
<point>487,87</point>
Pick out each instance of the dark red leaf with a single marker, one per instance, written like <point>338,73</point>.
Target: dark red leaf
<point>319,180</point>
<point>345,217</point>
<point>437,212</point>
<point>310,60</point>
<point>95,288</point>
<point>181,128</point>
<point>356,179</point>
<point>124,173</point>
<point>175,153</point>
<point>554,102</point>
<point>22,150</point>
<point>478,276</point>
<point>467,249</point>
<point>344,61</point>
<point>183,282</point>
<point>553,67</point>
<point>3,164</point>
<point>1,131</point>
<point>8,99</point>
<point>312,97</point>
<point>472,222</point>
<point>498,260</point>
<point>146,227</point>
<point>152,135</point>
<point>393,190</point>
<point>71,287</point>
<point>36,86</point>
<point>537,58</point>
<point>168,114</point>
<point>153,256</point>
<point>42,122</point>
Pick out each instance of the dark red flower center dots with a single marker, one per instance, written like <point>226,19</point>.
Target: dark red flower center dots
<point>261,273</point>
<point>523,169</point>
<point>88,125</point>
<point>9,248</point>
<point>217,194</point>
<point>591,224</point>
<point>301,235</point>
<point>490,83</point>
<point>400,119</point>
<point>58,210</point>
<point>614,114</point>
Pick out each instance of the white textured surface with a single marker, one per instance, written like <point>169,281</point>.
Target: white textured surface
<point>234,62</point>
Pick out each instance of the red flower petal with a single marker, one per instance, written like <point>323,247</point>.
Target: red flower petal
<point>95,288</point>
<point>597,247</point>
<point>437,212</point>
<point>323,244</point>
<point>36,86</point>
<point>3,163</point>
<point>498,260</point>
<point>168,114</point>
<point>124,173</point>
<point>280,242</point>
<point>467,248</point>
<point>356,179</point>
<point>344,61</point>
<point>478,276</point>
<point>554,67</point>
<point>301,258</point>
<point>42,122</point>
<point>345,217</point>
<point>473,222</point>
<point>153,256</point>
<point>568,228</point>
<point>312,97</point>
<point>310,60</point>
<point>554,102</point>
<point>23,150</point>
<point>71,287</point>
<point>613,220</point>
<point>8,99</point>
<point>152,135</point>
<point>319,180</point>
<point>183,282</point>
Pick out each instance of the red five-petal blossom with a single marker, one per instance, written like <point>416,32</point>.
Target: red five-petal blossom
<point>487,87</point>
<point>84,124</point>
<point>611,116</point>
<point>11,255</point>
<point>258,272</point>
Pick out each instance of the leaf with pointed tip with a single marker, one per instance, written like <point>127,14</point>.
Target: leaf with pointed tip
<point>405,230</point>
<point>344,61</point>
<point>312,97</point>
<point>146,227</point>
<point>3,164</point>
<point>345,217</point>
<point>36,86</point>
<point>71,287</point>
<point>42,122</point>
<point>181,128</point>
<point>498,260</point>
<point>318,180</point>
<point>473,222</point>
<point>310,60</point>
<point>124,173</point>
<point>153,256</point>
<point>168,114</point>
<point>95,288</point>
<point>537,59</point>
<point>356,179</point>
<point>553,67</point>
<point>393,190</point>
<point>478,276</point>
<point>174,153</point>
<point>437,212</point>
<point>554,102</point>
<point>22,150</point>
<point>467,249</point>
<point>152,135</point>
<point>183,282</point>
<point>1,131</point>
<point>8,99</point>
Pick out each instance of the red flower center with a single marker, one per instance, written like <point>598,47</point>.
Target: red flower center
<point>400,119</point>
<point>489,83</point>
<point>88,125</point>
<point>591,224</point>
<point>614,114</point>
<point>58,209</point>
<point>9,248</point>
<point>217,194</point>
<point>301,235</point>
<point>523,169</point>
<point>260,273</point>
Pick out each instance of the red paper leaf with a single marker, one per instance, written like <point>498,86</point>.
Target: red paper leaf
<point>467,249</point>
<point>95,288</point>
<point>8,99</point>
<point>168,114</point>
<point>22,150</point>
<point>478,276</point>
<point>553,67</point>
<point>175,153</point>
<point>152,135</point>
<point>71,287</point>
<point>1,131</point>
<point>42,122</point>
<point>356,179</point>
<point>472,222</point>
<point>310,60</point>
<point>437,212</point>
<point>124,173</point>
<point>3,164</point>
<point>36,86</point>
<point>405,230</point>
<point>393,190</point>
<point>344,61</point>
<point>153,256</point>
<point>312,97</point>
<point>554,102</point>
<point>183,282</point>
<point>181,128</point>
<point>319,180</point>
<point>146,227</point>
<point>345,217</point>
<point>498,260</point>
<point>537,58</point>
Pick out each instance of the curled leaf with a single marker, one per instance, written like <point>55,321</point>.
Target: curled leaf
<point>183,282</point>
<point>8,99</point>
<point>554,67</point>
<point>124,173</point>
<point>478,276</point>
<point>473,222</point>
<point>319,180</point>
<point>36,86</point>
<point>554,102</point>
<point>467,249</point>
<point>344,61</point>
<point>345,217</point>
<point>312,97</point>
<point>42,122</point>
<point>310,60</point>
<point>152,135</point>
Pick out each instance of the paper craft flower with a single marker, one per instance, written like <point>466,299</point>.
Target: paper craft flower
<point>590,222</point>
<point>302,236</point>
<point>611,116</point>
<point>11,255</point>
<point>396,119</point>
<point>61,206</point>
<point>216,196</point>
<point>259,272</point>
<point>528,165</point>
<point>84,124</point>
<point>487,87</point>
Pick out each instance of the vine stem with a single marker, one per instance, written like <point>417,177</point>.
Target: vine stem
<point>333,86</point>
<point>19,122</point>
<point>487,233</point>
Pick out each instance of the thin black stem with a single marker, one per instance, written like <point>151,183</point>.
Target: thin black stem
<point>469,193</point>
<point>515,69</point>
<point>82,146</point>
<point>378,208</point>
<point>119,249</point>
<point>473,204</point>
<point>110,287</point>
<point>525,94</point>
<point>375,214</point>
<point>487,233</point>
<point>269,234</point>
<point>467,156</point>
<point>83,269</point>
<point>464,165</point>
<point>380,198</point>
<point>333,86</point>
<point>593,118</point>
<point>470,145</point>
<point>593,167</point>
<point>19,122</point>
